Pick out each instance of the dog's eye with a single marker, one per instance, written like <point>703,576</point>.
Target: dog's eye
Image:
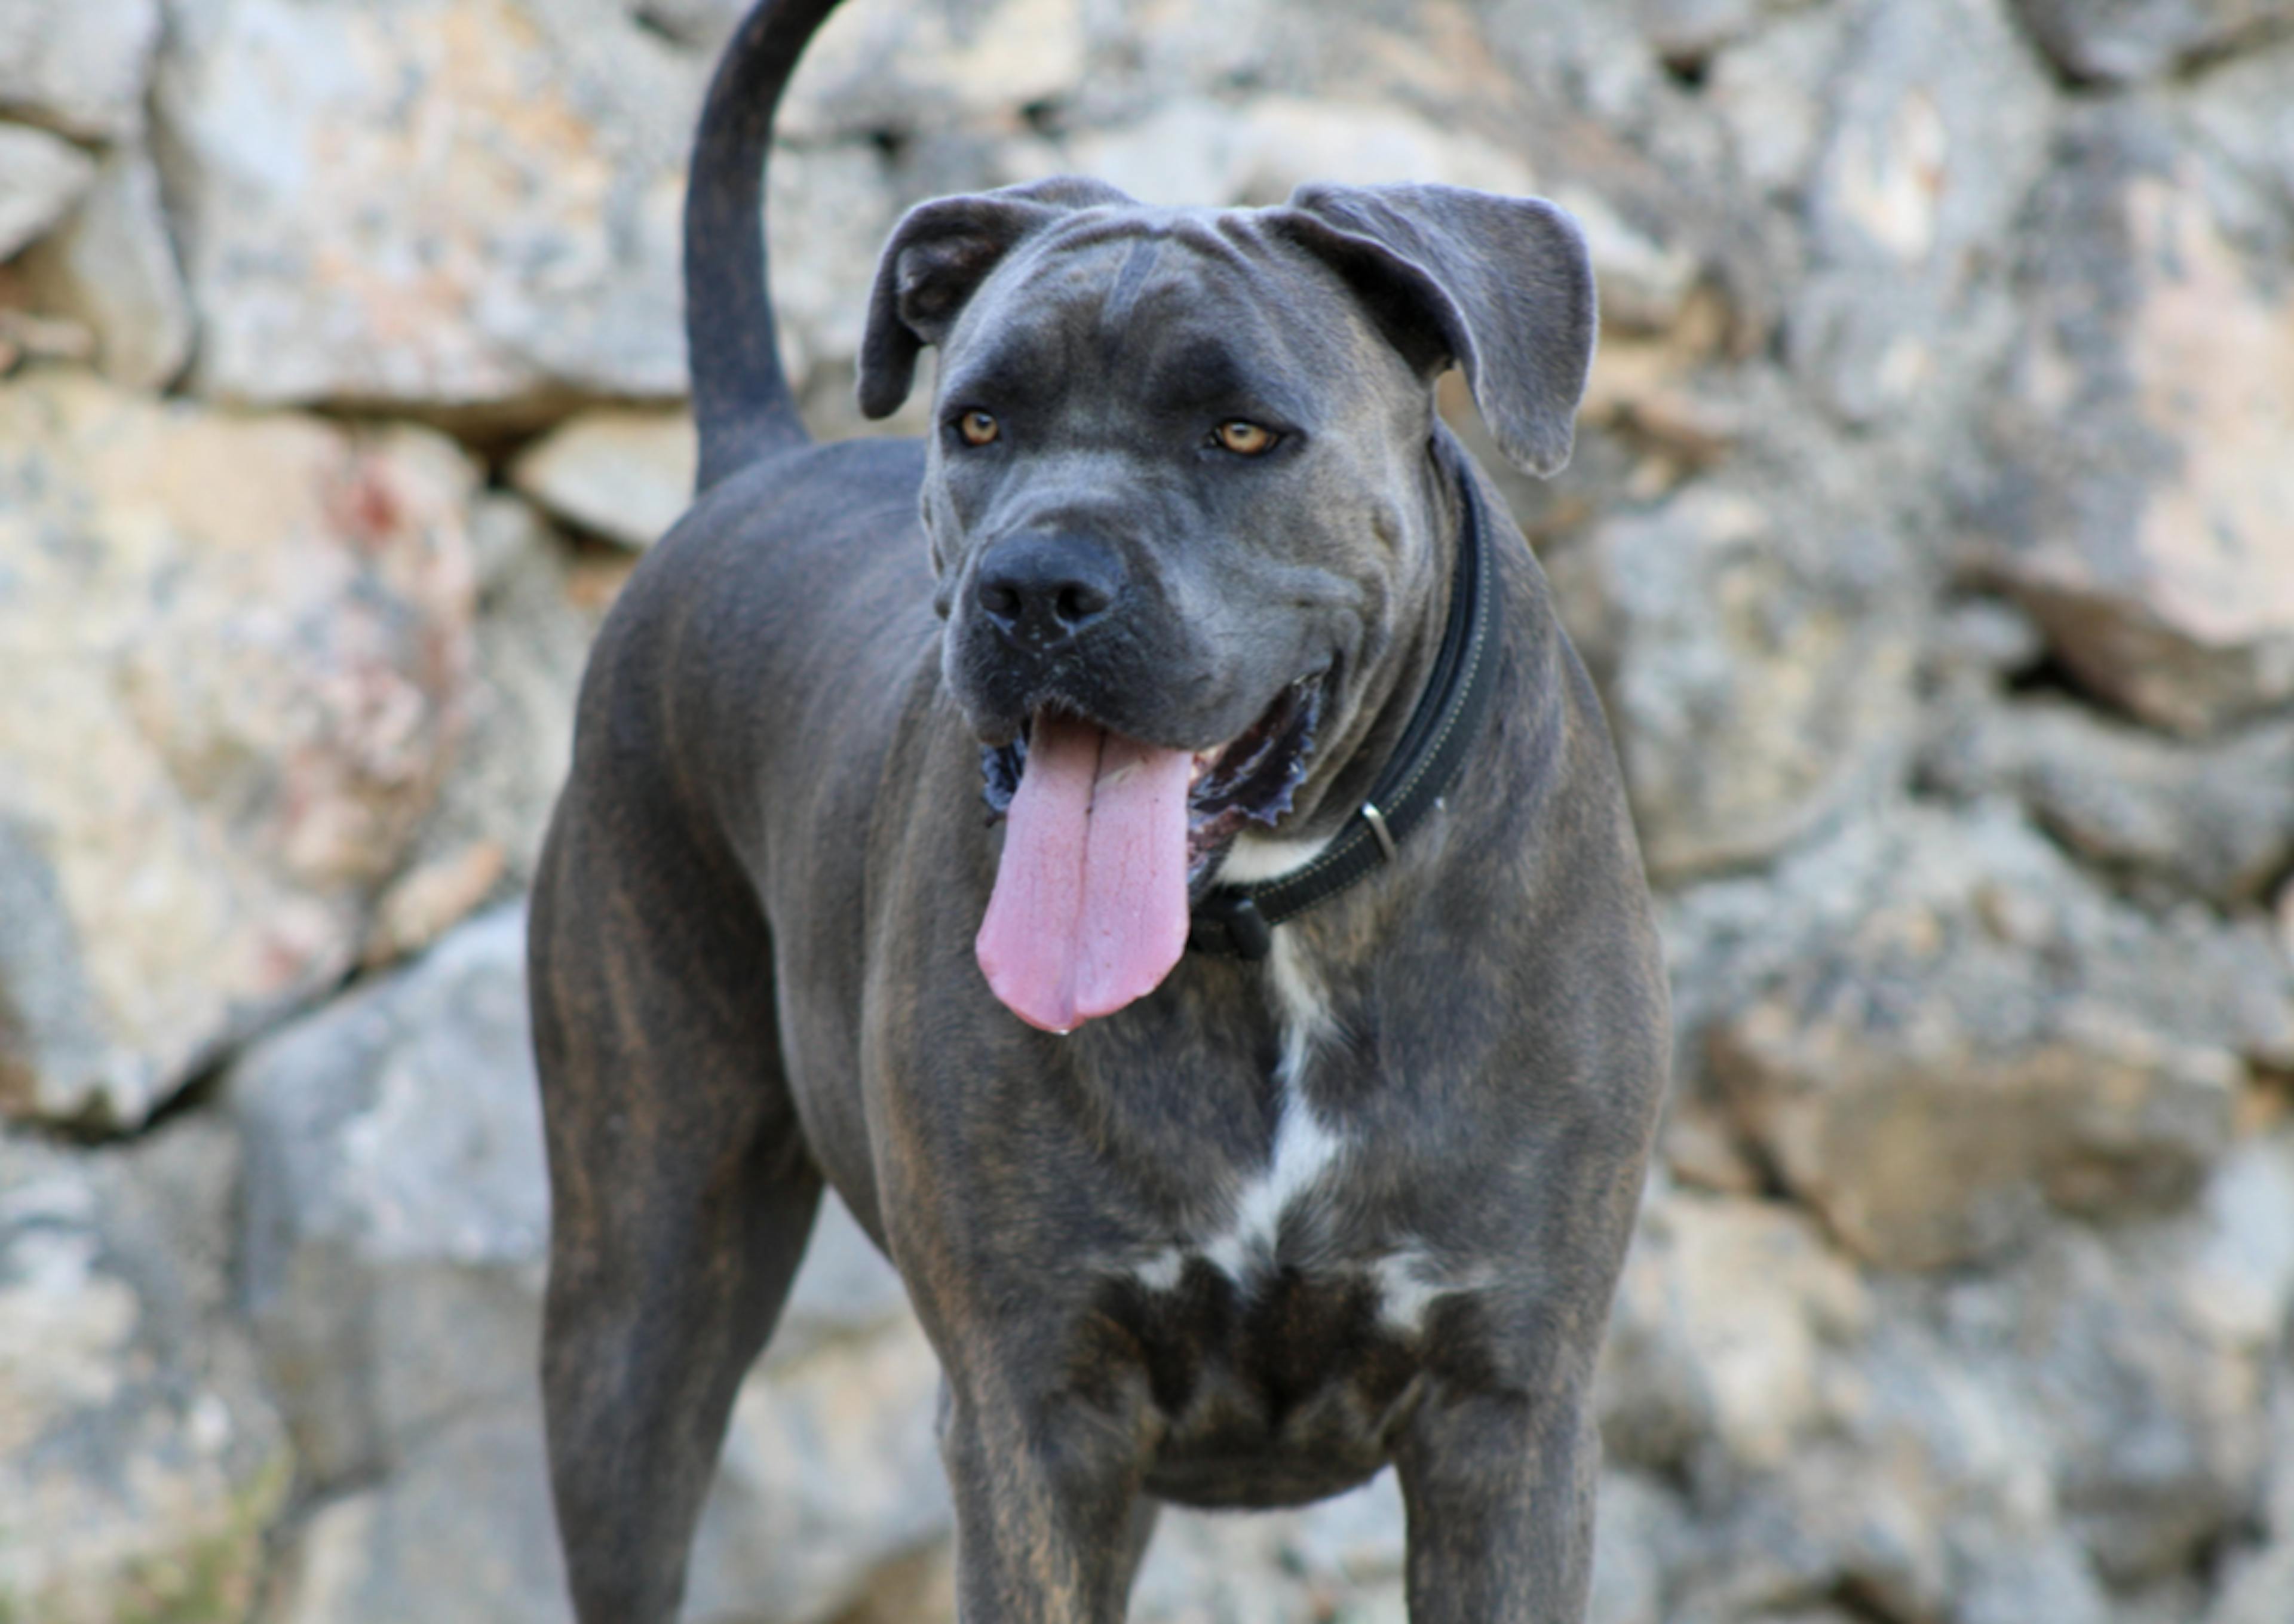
<point>979,427</point>
<point>1243,438</point>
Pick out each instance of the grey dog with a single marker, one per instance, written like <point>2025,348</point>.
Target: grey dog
<point>1254,1093</point>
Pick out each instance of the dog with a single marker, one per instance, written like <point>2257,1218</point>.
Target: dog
<point>1151,847</point>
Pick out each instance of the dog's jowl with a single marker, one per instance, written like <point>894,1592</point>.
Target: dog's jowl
<point>1151,848</point>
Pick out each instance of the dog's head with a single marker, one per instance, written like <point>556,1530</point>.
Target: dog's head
<point>1181,487</point>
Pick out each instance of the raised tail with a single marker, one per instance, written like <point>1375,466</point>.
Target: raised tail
<point>741,403</point>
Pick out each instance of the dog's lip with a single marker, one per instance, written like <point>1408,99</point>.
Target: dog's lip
<point>1250,778</point>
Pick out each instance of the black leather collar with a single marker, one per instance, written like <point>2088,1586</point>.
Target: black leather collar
<point>1239,921</point>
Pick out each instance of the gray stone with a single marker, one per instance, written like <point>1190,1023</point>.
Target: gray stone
<point>1686,32</point>
<point>2242,113</point>
<point>539,607</point>
<point>237,648</point>
<point>396,1209</point>
<point>1938,127</point>
<point>929,65</point>
<point>2257,1588</point>
<point>77,67</point>
<point>112,268</point>
<point>2145,1357</point>
<point>2136,505</point>
<point>1768,91</point>
<point>41,177</point>
<point>467,208</point>
<point>2217,819</point>
<point>140,1463</point>
<point>621,475</point>
<point>1984,1033</point>
<point>1719,1335</point>
<point>832,1472</point>
<point>1340,1559</point>
<point>460,1533</point>
<point>1756,653</point>
<point>2138,39</point>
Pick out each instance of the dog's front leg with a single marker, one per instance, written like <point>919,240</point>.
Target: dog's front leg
<point>1047,1508</point>
<point>1500,1496</point>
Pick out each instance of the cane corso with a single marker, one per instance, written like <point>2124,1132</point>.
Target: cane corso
<point>1151,847</point>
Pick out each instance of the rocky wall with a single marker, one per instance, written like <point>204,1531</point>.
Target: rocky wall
<point>1930,535</point>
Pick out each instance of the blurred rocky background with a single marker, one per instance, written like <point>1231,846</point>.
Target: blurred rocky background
<point>1930,534</point>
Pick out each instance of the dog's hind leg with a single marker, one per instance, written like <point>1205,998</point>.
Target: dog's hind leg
<point>682,1189</point>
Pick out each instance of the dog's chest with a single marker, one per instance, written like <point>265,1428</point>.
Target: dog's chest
<point>1278,1339</point>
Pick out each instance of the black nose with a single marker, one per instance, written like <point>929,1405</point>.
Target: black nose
<point>1040,591</point>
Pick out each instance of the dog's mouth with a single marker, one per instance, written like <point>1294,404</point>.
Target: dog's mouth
<point>1252,778</point>
<point>1108,841</point>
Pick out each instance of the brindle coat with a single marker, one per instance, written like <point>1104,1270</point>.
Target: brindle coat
<point>752,936</point>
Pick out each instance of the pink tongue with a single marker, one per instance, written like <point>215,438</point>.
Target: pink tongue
<point>1090,909</point>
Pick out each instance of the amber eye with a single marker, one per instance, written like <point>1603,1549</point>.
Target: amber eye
<point>978,427</point>
<point>1244,439</point>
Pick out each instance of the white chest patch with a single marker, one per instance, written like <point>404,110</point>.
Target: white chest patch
<point>1308,1153</point>
<point>1306,1147</point>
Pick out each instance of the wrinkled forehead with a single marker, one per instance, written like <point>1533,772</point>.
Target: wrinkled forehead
<point>1177,305</point>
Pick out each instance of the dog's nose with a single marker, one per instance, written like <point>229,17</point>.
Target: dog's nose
<point>1040,591</point>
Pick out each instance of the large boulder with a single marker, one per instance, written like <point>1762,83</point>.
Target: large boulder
<point>427,202</point>
<point>2209,818</point>
<point>1941,1029</point>
<point>2139,39</point>
<point>1756,650</point>
<point>1938,127</point>
<point>237,648</point>
<point>82,69</point>
<point>540,601</point>
<point>2138,504</point>
<point>1719,1336</point>
<point>140,1461</point>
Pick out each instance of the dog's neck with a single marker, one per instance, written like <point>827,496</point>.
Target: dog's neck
<point>1412,748</point>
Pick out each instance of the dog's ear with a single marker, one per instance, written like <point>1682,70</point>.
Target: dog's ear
<point>1501,285</point>
<point>939,254</point>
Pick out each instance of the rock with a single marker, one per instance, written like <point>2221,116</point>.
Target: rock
<point>539,607</point>
<point>454,206</point>
<point>41,177</point>
<point>460,1533</point>
<point>113,268</point>
<point>1717,1336</point>
<point>2144,1357</point>
<point>1687,32</point>
<point>1962,1030</point>
<point>396,1208</point>
<point>78,69</point>
<point>2258,1579</point>
<point>2211,819</point>
<point>396,1217</point>
<point>1756,658</point>
<point>625,475</point>
<point>832,1472</point>
<point>1196,152</point>
<point>140,1463</point>
<point>2137,507</point>
<point>238,648</point>
<point>1768,91</point>
<point>934,64</point>
<point>2139,39</point>
<point>2257,1589</point>
<point>1340,1558</point>
<point>1938,126</point>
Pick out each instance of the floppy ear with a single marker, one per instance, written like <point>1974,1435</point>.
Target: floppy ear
<point>939,254</point>
<point>1501,285</point>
